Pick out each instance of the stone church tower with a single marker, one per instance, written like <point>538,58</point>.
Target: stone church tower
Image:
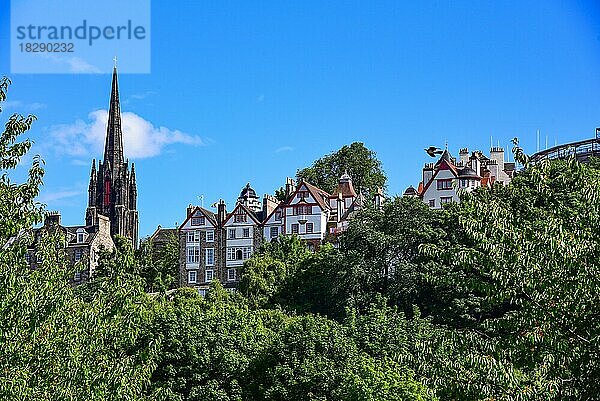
<point>113,190</point>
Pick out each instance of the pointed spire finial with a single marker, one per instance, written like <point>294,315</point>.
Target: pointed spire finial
<point>113,148</point>
<point>115,60</point>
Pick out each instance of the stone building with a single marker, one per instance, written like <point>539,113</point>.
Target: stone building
<point>82,243</point>
<point>113,189</point>
<point>215,246</point>
<point>444,180</point>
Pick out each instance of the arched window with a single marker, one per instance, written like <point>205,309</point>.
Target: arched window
<point>106,192</point>
<point>238,254</point>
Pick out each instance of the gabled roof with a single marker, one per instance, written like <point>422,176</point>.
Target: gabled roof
<point>249,212</point>
<point>444,165</point>
<point>70,233</point>
<point>316,192</point>
<point>210,216</point>
<point>162,234</point>
<point>279,206</point>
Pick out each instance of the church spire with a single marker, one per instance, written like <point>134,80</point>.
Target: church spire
<point>113,148</point>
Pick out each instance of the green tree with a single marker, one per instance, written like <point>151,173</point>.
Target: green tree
<point>158,267</point>
<point>355,159</point>
<point>264,275</point>
<point>53,344</point>
<point>534,245</point>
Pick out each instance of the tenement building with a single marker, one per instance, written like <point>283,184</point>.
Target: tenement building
<point>82,243</point>
<point>113,189</point>
<point>214,246</point>
<point>445,179</point>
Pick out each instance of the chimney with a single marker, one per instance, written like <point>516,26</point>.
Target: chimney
<point>269,204</point>
<point>52,217</point>
<point>463,155</point>
<point>497,154</point>
<point>289,187</point>
<point>427,173</point>
<point>221,212</point>
<point>190,210</point>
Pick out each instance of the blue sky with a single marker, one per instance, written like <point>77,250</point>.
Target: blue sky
<point>250,92</point>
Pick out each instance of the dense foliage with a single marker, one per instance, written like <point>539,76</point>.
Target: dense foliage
<point>357,160</point>
<point>158,265</point>
<point>495,298</point>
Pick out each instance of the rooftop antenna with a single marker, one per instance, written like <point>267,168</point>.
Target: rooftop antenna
<point>537,148</point>
<point>546,141</point>
<point>491,142</point>
<point>201,199</point>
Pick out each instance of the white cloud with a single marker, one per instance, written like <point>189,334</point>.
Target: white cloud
<point>78,65</point>
<point>48,197</point>
<point>20,106</point>
<point>141,138</point>
<point>284,149</point>
<point>75,64</point>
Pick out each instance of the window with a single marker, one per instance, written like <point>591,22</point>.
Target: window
<point>431,202</point>
<point>444,184</point>
<point>278,216</point>
<point>209,256</point>
<point>77,255</point>
<point>210,236</point>
<point>193,255</point>
<point>300,210</point>
<point>80,235</point>
<point>445,199</point>
<point>463,182</point>
<point>77,276</point>
<point>38,258</point>
<point>202,292</point>
<point>302,194</point>
<point>28,257</point>
<point>309,227</point>
<point>295,228</point>
<point>193,236</point>
<point>198,221</point>
<point>240,218</point>
<point>192,277</point>
<point>274,231</point>
<point>239,253</point>
<point>231,274</point>
<point>231,233</point>
<point>246,233</point>
<point>209,275</point>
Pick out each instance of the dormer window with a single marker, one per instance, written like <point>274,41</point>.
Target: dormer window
<point>240,218</point>
<point>80,236</point>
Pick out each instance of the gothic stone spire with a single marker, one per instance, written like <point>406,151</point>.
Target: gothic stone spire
<point>113,148</point>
